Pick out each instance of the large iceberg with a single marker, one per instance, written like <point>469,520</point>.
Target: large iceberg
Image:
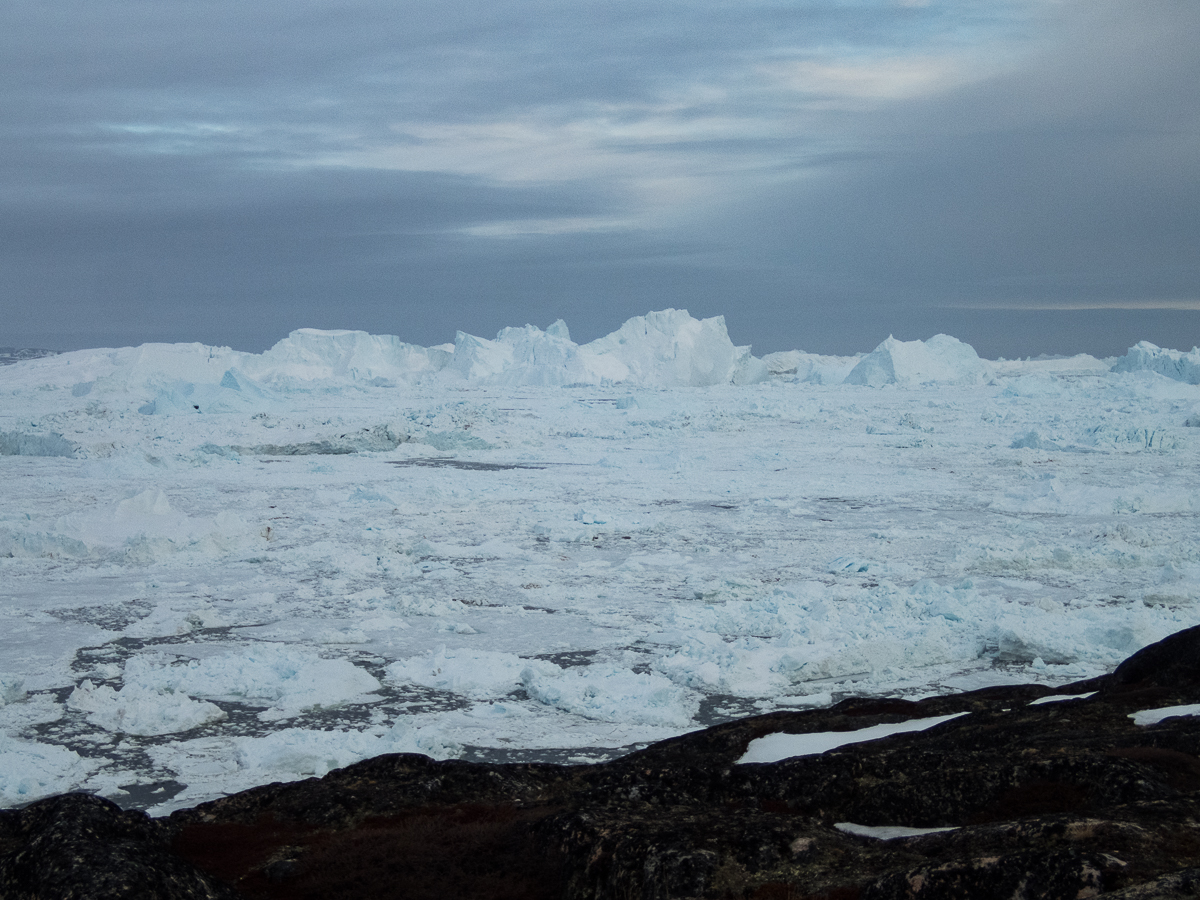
<point>669,348</point>
<point>311,354</point>
<point>941,359</point>
<point>1147,357</point>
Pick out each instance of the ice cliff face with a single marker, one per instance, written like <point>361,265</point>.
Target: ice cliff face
<point>941,359</point>
<point>1175,364</point>
<point>661,349</point>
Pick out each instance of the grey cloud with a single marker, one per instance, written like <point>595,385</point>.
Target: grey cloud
<point>1074,180</point>
<point>124,217</point>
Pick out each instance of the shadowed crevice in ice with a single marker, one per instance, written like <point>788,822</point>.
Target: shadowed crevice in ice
<point>466,465</point>
<point>378,439</point>
<point>19,443</point>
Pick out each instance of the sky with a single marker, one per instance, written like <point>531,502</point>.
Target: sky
<point>1022,174</point>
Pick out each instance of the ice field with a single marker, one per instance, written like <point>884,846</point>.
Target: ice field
<point>220,569</point>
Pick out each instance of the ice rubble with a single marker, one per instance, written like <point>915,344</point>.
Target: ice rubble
<point>284,680</point>
<point>141,528</point>
<point>141,710</point>
<point>29,770</point>
<point>422,549</point>
<point>16,443</point>
<point>213,766</point>
<point>603,692</point>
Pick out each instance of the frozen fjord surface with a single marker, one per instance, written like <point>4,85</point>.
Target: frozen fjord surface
<point>356,546</point>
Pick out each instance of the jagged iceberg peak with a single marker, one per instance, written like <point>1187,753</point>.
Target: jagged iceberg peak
<point>941,359</point>
<point>671,348</point>
<point>1147,357</point>
<point>668,348</point>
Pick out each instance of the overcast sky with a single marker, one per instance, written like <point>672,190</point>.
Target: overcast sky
<point>1022,174</point>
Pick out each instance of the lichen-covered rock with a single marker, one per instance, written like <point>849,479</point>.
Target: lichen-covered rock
<point>1171,662</point>
<point>80,847</point>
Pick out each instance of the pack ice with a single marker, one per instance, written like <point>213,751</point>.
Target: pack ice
<point>221,568</point>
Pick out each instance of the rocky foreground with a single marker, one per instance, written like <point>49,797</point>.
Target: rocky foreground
<point>1067,799</point>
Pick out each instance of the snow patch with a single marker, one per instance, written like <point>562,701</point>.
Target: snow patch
<point>888,832</point>
<point>776,747</point>
<point>1154,716</point>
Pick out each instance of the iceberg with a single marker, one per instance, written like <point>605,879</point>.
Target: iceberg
<point>1147,357</point>
<point>671,349</point>
<point>941,360</point>
<point>310,354</point>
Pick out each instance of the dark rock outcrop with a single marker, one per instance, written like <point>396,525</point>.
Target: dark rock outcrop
<point>1171,662</point>
<point>1068,799</point>
<point>81,846</point>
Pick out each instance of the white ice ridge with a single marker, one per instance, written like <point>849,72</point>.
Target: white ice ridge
<point>668,348</point>
<point>1154,716</point>
<point>888,832</point>
<point>776,747</point>
<point>1145,356</point>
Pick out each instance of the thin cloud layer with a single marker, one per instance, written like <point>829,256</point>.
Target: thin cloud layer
<point>819,172</point>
